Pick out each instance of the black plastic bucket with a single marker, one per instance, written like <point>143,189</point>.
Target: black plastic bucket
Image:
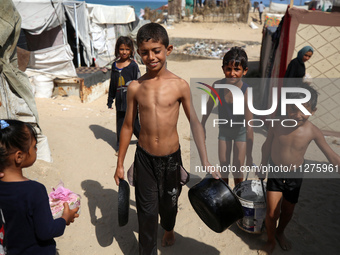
<point>215,203</point>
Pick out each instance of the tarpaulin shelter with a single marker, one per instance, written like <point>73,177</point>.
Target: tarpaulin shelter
<point>95,26</point>
<point>53,32</point>
<point>107,23</point>
<point>16,95</point>
<point>45,29</point>
<point>299,28</point>
<point>61,35</point>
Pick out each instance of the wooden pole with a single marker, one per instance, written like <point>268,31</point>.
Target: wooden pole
<point>291,3</point>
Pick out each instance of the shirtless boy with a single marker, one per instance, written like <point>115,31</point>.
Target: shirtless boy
<point>286,146</point>
<point>158,95</point>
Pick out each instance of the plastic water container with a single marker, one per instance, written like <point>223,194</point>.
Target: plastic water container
<point>43,86</point>
<point>252,199</point>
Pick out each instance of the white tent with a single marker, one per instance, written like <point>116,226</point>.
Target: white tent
<point>44,23</point>
<point>51,56</point>
<point>96,27</point>
<point>281,8</point>
<point>58,32</point>
<point>107,23</point>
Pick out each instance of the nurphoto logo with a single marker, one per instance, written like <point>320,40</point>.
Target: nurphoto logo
<point>239,99</point>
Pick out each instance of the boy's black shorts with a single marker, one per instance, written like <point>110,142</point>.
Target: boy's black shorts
<point>290,187</point>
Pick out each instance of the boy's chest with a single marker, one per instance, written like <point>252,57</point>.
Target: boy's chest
<point>297,140</point>
<point>228,96</point>
<point>151,98</point>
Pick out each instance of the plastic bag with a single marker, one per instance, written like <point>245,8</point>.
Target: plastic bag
<point>59,196</point>
<point>307,79</point>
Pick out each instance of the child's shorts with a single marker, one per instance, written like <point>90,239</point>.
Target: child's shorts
<point>229,134</point>
<point>290,187</point>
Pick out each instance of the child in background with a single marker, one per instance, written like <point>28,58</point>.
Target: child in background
<point>237,138</point>
<point>124,69</point>
<point>286,146</point>
<point>296,67</point>
<point>27,223</point>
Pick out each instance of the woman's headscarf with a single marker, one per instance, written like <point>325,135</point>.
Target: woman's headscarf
<point>303,51</point>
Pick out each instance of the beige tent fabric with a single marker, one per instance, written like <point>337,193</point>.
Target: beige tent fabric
<point>321,30</point>
<point>55,61</point>
<point>10,22</point>
<point>104,14</point>
<point>16,97</point>
<point>14,107</point>
<point>39,16</point>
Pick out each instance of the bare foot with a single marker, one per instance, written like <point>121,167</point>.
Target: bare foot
<point>168,238</point>
<point>267,249</point>
<point>283,242</point>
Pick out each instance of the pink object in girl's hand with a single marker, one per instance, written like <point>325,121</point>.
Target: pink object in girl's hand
<point>59,196</point>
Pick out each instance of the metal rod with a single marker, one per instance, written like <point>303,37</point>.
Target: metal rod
<point>77,36</point>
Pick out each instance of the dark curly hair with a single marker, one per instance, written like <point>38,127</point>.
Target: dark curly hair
<point>17,135</point>
<point>313,93</point>
<point>154,32</point>
<point>236,56</point>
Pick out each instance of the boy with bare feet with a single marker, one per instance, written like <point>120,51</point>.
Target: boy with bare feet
<point>158,95</point>
<point>286,146</point>
<point>234,140</point>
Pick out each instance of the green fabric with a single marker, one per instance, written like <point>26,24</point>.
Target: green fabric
<point>10,25</point>
<point>189,2</point>
<point>7,20</point>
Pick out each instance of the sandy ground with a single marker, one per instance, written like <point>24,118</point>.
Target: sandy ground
<point>82,139</point>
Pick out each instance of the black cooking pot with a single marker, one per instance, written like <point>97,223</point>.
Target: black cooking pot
<point>215,203</point>
<point>123,202</point>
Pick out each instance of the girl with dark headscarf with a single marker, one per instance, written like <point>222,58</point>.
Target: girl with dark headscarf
<point>296,67</point>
